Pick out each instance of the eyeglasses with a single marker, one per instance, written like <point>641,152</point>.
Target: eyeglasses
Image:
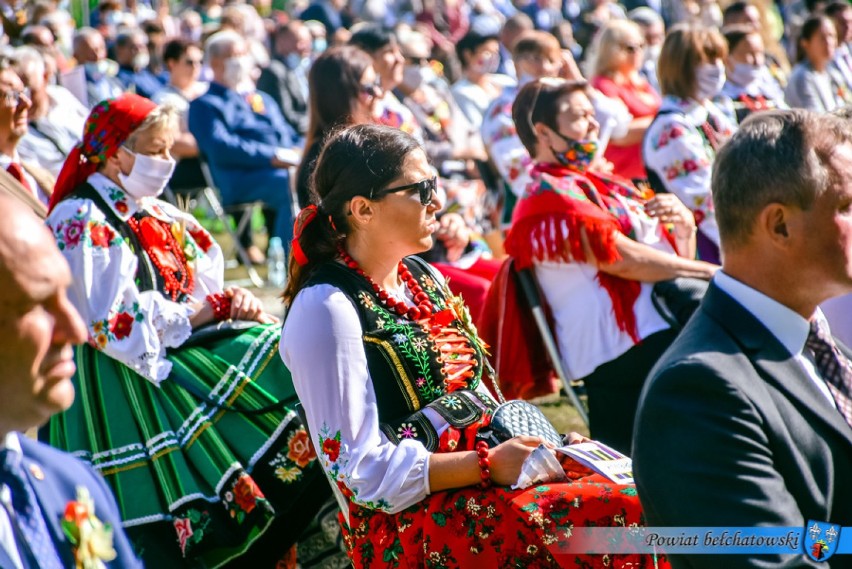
<point>373,89</point>
<point>13,98</point>
<point>419,61</point>
<point>633,48</point>
<point>425,189</point>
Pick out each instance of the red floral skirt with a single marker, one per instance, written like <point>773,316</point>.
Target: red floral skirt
<point>497,527</point>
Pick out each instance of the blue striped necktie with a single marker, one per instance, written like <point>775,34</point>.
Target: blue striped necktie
<point>26,513</point>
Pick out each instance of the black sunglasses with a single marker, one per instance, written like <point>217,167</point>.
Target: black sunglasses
<point>425,189</point>
<point>373,89</point>
<point>633,48</point>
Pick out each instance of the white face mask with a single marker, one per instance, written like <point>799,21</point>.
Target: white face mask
<point>487,64</point>
<point>141,61</point>
<point>148,177</point>
<point>238,71</point>
<point>709,79</point>
<point>413,76</point>
<point>652,52</point>
<point>744,74</point>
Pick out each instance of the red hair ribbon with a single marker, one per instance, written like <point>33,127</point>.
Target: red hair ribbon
<point>306,216</point>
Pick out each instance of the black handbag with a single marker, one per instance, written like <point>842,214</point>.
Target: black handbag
<point>677,299</point>
<point>518,418</point>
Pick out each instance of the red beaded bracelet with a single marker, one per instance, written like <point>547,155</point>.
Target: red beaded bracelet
<point>484,464</point>
<point>221,305</point>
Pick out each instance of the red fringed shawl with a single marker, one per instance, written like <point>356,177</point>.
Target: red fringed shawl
<point>547,224</point>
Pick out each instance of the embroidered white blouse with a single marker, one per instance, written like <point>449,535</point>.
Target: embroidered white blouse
<point>322,345</point>
<point>677,152</point>
<point>131,326</point>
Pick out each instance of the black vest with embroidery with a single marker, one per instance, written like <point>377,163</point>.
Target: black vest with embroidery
<point>404,359</point>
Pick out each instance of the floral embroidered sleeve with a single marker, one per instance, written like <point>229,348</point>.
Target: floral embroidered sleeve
<point>505,149</point>
<point>675,150</point>
<point>131,326</point>
<point>322,346</point>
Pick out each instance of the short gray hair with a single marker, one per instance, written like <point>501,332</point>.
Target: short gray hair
<point>29,60</point>
<point>775,157</point>
<point>645,17</point>
<point>218,43</point>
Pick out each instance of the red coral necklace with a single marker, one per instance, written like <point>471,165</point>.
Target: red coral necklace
<point>165,253</point>
<point>424,307</point>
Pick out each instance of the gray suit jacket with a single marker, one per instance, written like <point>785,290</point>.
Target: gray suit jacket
<point>731,431</point>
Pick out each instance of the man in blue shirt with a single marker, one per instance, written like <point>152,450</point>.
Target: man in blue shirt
<point>131,53</point>
<point>243,136</point>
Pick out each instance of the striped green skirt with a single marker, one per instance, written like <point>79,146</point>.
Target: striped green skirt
<point>186,467</point>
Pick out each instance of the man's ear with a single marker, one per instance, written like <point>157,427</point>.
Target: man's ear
<point>774,224</point>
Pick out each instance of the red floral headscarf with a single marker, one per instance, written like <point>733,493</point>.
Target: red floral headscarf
<point>110,123</point>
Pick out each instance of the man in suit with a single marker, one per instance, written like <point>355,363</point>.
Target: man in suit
<point>242,135</point>
<point>285,79</point>
<point>39,485</point>
<point>747,420</point>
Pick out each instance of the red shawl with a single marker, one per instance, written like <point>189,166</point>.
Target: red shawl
<point>547,222</point>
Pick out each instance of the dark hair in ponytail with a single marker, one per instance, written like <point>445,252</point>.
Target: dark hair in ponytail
<point>355,161</point>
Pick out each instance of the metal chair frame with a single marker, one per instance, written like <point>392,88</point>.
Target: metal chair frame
<point>532,293</point>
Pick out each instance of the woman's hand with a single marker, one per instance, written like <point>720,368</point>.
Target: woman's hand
<point>669,209</point>
<point>454,233</point>
<point>246,306</point>
<point>508,457</point>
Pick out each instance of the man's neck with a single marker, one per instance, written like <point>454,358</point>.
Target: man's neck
<point>8,145</point>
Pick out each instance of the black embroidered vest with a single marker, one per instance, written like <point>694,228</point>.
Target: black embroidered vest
<point>404,359</point>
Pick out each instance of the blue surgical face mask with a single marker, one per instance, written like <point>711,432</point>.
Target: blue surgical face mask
<point>319,45</point>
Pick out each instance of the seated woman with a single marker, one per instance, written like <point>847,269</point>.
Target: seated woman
<point>619,52</point>
<point>680,145</point>
<point>195,434</point>
<point>749,85</point>
<point>392,377</point>
<point>814,84</point>
<point>597,246</point>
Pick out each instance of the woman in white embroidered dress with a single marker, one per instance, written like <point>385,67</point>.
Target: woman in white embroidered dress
<point>191,430</point>
<point>680,145</point>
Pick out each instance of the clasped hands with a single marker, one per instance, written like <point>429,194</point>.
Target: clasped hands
<point>508,458</point>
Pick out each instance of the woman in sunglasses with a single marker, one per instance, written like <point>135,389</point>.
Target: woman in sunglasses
<point>392,378</point>
<point>618,56</point>
<point>596,245</point>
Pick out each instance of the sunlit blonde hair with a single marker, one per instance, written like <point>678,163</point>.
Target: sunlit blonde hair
<point>608,44</point>
<point>164,117</point>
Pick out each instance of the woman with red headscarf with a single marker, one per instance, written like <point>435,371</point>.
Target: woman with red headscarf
<point>191,427</point>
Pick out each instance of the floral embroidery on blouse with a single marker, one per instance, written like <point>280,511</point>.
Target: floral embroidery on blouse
<point>117,327</point>
<point>93,234</point>
<point>335,459</point>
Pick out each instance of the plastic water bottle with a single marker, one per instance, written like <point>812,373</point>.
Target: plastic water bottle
<point>277,263</point>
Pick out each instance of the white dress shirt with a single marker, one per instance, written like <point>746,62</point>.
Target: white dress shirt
<point>786,325</point>
<point>7,532</point>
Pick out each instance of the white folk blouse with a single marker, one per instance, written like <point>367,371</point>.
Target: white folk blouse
<point>131,326</point>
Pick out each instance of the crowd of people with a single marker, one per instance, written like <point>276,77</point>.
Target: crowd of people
<point>412,157</point>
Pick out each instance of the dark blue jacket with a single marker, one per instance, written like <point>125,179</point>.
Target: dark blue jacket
<point>55,476</point>
<point>145,83</point>
<point>238,141</point>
